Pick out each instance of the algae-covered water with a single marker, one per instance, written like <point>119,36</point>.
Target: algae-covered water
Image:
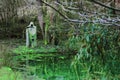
<point>48,66</point>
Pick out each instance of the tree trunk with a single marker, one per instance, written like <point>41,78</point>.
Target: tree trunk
<point>40,18</point>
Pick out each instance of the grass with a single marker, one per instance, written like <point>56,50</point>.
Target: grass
<point>7,73</point>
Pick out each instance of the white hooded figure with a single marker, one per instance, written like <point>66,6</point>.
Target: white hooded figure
<point>31,35</point>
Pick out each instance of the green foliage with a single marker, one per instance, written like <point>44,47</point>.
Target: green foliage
<point>95,40</point>
<point>97,52</point>
<point>74,42</point>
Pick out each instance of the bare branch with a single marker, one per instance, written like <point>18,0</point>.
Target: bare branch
<point>103,5</point>
<point>87,18</point>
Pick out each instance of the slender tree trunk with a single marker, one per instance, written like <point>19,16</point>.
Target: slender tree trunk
<point>40,18</point>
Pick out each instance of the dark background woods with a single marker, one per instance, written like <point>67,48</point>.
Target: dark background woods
<point>15,15</point>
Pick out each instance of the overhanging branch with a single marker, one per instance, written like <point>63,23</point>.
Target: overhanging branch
<point>65,17</point>
<point>54,9</point>
<point>99,20</point>
<point>103,5</point>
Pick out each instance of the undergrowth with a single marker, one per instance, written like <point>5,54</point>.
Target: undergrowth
<point>97,53</point>
<point>95,56</point>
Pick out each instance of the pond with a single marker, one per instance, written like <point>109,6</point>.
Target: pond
<point>46,64</point>
<point>52,68</point>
